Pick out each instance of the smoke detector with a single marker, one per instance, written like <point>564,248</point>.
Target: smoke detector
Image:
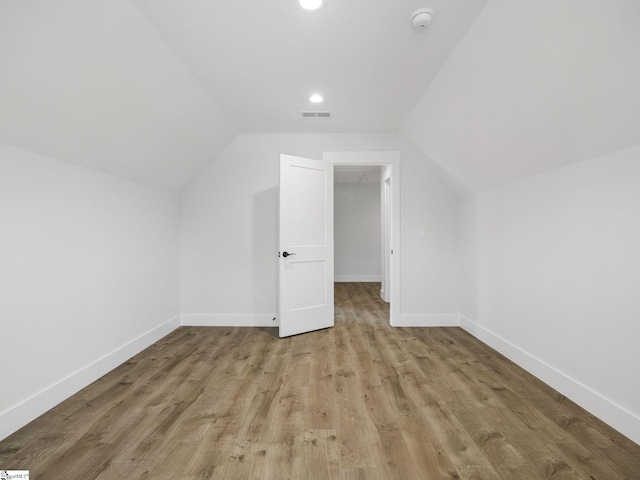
<point>421,18</point>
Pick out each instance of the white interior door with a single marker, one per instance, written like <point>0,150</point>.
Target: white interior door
<point>306,245</point>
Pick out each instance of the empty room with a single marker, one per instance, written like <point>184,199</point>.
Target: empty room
<point>328,239</point>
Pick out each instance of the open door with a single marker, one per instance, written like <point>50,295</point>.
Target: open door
<point>306,245</point>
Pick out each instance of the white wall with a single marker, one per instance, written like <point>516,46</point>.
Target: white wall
<point>357,232</point>
<point>88,277</point>
<point>229,231</point>
<point>468,257</point>
<point>558,270</point>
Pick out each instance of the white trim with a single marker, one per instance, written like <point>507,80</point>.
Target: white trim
<point>230,320</point>
<point>605,409</point>
<point>357,278</point>
<point>428,320</point>
<point>21,414</point>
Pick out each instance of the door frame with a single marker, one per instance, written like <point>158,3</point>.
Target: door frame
<point>392,160</point>
<point>385,214</point>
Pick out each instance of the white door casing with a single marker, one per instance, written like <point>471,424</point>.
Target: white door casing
<point>306,245</point>
<point>392,160</point>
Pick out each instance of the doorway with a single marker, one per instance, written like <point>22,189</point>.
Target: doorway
<point>357,224</point>
<point>388,168</point>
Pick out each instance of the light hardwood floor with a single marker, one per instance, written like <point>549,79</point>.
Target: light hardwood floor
<point>359,401</point>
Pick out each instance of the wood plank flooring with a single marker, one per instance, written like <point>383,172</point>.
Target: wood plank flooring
<point>359,401</point>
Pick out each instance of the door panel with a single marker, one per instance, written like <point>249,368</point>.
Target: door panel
<point>306,235</point>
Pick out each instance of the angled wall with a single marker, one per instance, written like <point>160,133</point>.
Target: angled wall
<point>533,86</point>
<point>93,83</point>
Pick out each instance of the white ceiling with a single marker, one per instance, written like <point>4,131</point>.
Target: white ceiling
<point>532,87</point>
<point>261,60</point>
<point>91,82</point>
<point>154,90</point>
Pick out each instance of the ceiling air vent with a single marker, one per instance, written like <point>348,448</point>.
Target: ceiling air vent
<point>315,114</point>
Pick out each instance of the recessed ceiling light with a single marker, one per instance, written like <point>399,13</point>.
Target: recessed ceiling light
<point>316,98</point>
<point>311,6</point>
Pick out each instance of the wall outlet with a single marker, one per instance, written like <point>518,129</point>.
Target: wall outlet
<point>421,234</point>
<point>254,297</point>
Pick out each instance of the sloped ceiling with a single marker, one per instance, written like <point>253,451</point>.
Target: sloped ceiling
<point>261,60</point>
<point>533,86</point>
<point>92,83</point>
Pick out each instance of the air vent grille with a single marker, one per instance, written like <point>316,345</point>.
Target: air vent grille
<point>315,114</point>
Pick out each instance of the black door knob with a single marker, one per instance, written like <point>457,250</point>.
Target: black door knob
<point>286,254</point>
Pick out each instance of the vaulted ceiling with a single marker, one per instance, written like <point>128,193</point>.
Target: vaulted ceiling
<point>261,60</point>
<point>154,90</point>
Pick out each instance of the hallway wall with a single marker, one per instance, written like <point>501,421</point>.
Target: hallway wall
<point>357,232</point>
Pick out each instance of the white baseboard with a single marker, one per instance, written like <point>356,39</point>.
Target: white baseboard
<point>230,320</point>
<point>427,320</point>
<point>19,415</point>
<point>606,410</point>
<point>357,278</point>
